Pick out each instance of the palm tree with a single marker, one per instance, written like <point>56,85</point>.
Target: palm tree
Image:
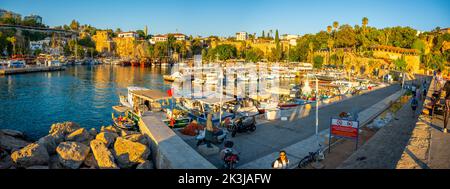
<point>365,21</point>
<point>335,25</point>
<point>12,40</point>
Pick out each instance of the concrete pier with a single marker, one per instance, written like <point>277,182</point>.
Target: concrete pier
<point>11,71</point>
<point>169,151</point>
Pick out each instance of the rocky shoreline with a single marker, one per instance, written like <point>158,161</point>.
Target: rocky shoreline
<point>69,146</point>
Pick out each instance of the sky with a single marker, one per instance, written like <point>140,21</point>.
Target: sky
<point>226,17</point>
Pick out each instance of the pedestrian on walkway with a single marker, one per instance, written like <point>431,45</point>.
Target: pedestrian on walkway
<point>282,162</point>
<point>414,104</point>
<point>446,89</point>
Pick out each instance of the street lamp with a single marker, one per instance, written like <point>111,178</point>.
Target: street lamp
<point>317,109</point>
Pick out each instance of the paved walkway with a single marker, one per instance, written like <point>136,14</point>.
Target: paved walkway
<point>406,144</point>
<point>272,136</point>
<point>439,153</point>
<point>386,147</point>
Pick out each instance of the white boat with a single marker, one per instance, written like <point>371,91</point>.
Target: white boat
<point>53,63</point>
<point>303,66</point>
<point>242,78</point>
<point>211,79</point>
<point>198,81</point>
<point>16,63</point>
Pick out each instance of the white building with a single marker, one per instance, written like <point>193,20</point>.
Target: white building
<point>241,36</point>
<point>163,38</point>
<point>291,38</point>
<point>35,45</point>
<point>128,35</point>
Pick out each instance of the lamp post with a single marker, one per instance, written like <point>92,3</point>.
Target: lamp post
<point>317,110</point>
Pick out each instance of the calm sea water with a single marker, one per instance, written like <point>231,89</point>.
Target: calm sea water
<point>84,94</point>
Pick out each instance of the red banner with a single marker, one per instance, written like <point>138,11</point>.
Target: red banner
<point>170,92</point>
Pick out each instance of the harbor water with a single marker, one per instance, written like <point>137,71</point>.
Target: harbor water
<point>32,102</point>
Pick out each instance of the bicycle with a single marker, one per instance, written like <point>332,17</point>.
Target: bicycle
<point>312,157</point>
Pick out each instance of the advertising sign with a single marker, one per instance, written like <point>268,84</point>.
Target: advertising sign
<point>344,128</point>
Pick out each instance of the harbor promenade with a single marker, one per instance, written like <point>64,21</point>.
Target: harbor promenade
<point>10,71</point>
<point>406,143</point>
<point>272,136</point>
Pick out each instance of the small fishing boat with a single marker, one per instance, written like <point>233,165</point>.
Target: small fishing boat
<point>173,77</point>
<point>127,120</point>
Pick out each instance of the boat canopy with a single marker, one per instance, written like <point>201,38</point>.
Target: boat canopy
<point>151,95</point>
<point>279,91</point>
<point>121,109</point>
<point>215,100</point>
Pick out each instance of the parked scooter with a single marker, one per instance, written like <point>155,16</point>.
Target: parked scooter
<point>229,156</point>
<point>242,124</point>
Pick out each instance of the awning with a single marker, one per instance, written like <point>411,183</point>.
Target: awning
<point>151,95</point>
<point>120,108</point>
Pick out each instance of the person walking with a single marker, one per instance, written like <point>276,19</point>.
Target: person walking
<point>414,104</point>
<point>282,162</point>
<point>446,89</point>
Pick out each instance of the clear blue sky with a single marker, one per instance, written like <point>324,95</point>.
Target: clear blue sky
<point>225,17</point>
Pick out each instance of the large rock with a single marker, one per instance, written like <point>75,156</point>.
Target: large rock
<point>60,130</point>
<point>93,132</point>
<point>72,154</point>
<point>33,154</point>
<point>5,160</point>
<point>12,133</point>
<point>125,132</point>
<point>103,157</point>
<point>137,138</point>
<point>129,153</point>
<point>80,135</point>
<point>90,161</point>
<point>107,138</point>
<point>109,129</point>
<point>10,143</point>
<point>54,162</point>
<point>49,142</point>
<point>146,165</point>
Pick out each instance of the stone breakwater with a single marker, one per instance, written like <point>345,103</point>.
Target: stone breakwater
<point>69,146</point>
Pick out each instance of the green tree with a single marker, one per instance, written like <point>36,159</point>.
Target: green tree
<point>74,25</point>
<point>400,64</point>
<point>225,51</point>
<point>365,21</point>
<point>253,55</point>
<point>141,34</point>
<point>318,62</point>
<point>12,40</point>
<point>346,36</point>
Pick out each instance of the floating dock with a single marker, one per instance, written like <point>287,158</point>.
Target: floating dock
<point>10,71</point>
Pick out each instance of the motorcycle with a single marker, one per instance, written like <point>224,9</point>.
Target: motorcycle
<point>229,156</point>
<point>230,161</point>
<point>242,124</point>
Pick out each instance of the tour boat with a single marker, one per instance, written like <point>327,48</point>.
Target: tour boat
<point>16,63</point>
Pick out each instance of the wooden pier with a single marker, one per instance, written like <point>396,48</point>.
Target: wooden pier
<point>11,71</point>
